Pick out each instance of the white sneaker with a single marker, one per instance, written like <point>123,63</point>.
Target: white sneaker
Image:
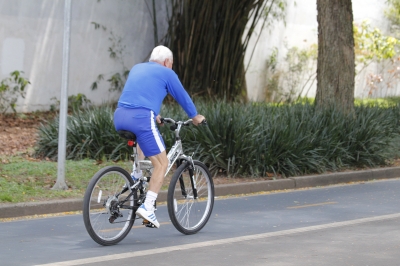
<point>148,215</point>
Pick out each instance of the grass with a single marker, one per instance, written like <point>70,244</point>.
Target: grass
<point>23,179</point>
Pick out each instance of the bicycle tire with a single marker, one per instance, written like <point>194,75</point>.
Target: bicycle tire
<point>98,218</point>
<point>187,214</point>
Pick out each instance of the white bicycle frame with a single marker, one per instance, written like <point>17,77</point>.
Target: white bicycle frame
<point>175,153</point>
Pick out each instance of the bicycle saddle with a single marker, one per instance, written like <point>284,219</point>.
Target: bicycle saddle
<point>126,135</point>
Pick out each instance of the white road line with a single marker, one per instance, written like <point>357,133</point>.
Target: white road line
<point>311,205</point>
<point>221,241</point>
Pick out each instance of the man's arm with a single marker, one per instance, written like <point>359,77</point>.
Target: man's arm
<point>177,91</point>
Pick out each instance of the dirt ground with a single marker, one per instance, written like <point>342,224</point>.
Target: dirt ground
<point>18,133</point>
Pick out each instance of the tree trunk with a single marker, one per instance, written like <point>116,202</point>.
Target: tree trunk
<point>336,66</point>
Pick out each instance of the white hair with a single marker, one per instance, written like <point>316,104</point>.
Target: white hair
<point>160,54</point>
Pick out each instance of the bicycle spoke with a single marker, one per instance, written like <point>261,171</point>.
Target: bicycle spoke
<point>186,214</point>
<point>189,214</point>
<point>103,214</point>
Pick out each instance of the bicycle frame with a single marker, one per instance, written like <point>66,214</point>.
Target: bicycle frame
<point>175,153</point>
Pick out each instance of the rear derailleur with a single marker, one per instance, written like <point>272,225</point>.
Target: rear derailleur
<point>111,204</point>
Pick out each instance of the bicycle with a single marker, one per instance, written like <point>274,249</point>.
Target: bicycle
<point>112,196</point>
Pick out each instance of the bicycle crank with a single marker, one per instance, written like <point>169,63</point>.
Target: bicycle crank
<point>148,224</point>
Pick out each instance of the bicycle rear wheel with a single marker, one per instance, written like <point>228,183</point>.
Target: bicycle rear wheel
<point>109,214</point>
<point>187,213</point>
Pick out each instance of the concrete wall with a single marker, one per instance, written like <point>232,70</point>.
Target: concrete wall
<point>301,30</point>
<point>31,40</point>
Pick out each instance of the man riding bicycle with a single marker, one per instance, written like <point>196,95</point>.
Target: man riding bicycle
<point>138,111</point>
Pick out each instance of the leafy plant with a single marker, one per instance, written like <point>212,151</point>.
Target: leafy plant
<point>287,80</point>
<point>371,44</point>
<point>249,139</point>
<point>90,134</point>
<point>11,89</point>
<point>116,52</point>
<point>75,102</point>
<point>259,139</point>
<point>392,12</point>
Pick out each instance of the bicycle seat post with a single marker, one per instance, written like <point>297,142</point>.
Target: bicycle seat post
<point>135,156</point>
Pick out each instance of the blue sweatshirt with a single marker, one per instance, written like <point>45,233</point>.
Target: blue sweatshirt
<point>147,86</point>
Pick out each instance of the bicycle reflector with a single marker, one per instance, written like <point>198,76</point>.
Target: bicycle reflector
<point>131,143</point>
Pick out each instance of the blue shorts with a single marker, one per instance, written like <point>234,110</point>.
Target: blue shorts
<point>142,122</point>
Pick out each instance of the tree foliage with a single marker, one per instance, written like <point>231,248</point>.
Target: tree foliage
<point>209,40</point>
<point>393,11</point>
<point>371,44</point>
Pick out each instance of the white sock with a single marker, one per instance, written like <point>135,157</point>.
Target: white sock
<point>150,198</point>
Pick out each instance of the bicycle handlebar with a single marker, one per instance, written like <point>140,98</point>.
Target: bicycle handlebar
<point>176,123</point>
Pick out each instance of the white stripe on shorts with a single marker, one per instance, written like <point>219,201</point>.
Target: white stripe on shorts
<point>155,133</point>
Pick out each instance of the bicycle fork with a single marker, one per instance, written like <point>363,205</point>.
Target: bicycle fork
<point>192,180</point>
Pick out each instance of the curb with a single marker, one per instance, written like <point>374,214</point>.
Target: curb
<point>68,205</point>
<point>346,177</point>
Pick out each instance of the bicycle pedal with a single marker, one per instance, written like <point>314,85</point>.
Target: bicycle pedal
<point>148,224</point>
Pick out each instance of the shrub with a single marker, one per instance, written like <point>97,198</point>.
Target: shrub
<point>249,139</point>
<point>90,134</point>
<point>290,140</point>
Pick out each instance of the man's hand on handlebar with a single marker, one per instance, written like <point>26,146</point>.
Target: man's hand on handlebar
<point>158,119</point>
<point>198,119</point>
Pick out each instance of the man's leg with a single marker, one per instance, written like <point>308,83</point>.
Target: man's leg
<point>139,152</point>
<point>160,163</point>
<point>146,211</point>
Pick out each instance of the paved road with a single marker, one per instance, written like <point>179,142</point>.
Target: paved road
<point>356,224</point>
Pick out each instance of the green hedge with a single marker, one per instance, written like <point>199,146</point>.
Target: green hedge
<point>294,139</point>
<point>249,139</point>
<point>90,134</point>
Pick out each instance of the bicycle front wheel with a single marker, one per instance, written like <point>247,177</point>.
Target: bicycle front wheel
<point>189,213</point>
<point>108,205</point>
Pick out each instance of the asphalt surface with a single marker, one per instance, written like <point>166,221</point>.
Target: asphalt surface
<point>68,205</point>
<point>353,224</point>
